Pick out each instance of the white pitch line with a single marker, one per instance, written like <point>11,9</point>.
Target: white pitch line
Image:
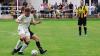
<point>12,33</point>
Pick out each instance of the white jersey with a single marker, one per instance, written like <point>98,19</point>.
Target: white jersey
<point>25,23</point>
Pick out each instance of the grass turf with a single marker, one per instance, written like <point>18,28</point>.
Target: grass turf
<point>60,38</point>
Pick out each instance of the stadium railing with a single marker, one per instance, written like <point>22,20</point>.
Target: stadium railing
<point>9,12</point>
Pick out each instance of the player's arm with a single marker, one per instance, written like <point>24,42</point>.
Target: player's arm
<point>77,13</point>
<point>19,19</point>
<point>34,22</point>
<point>86,11</point>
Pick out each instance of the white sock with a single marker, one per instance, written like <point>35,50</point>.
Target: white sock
<point>19,43</point>
<point>23,47</point>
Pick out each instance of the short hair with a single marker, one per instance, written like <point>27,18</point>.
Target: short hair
<point>25,4</point>
<point>27,10</point>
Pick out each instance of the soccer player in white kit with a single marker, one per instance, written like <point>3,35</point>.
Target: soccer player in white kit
<point>24,21</point>
<point>33,36</point>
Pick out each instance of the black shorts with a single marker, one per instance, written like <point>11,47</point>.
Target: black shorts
<point>41,11</point>
<point>82,21</point>
<point>31,33</point>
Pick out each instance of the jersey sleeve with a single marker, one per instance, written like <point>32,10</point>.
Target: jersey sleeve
<point>20,17</point>
<point>86,8</point>
<point>32,17</point>
<point>77,12</point>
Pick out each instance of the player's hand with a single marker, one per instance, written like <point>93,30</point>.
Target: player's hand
<point>85,15</point>
<point>18,21</point>
<point>39,22</point>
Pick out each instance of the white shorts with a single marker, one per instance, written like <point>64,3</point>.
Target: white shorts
<point>23,31</point>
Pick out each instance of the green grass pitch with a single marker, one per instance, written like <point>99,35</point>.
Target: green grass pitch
<point>59,37</point>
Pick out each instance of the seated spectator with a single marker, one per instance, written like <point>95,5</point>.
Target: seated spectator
<point>58,13</point>
<point>71,10</point>
<point>65,10</point>
<point>42,10</point>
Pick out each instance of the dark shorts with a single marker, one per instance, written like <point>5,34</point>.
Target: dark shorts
<point>31,33</point>
<point>42,11</point>
<point>82,21</point>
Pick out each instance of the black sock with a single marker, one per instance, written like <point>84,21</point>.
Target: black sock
<point>85,30</point>
<point>80,31</point>
<point>38,45</point>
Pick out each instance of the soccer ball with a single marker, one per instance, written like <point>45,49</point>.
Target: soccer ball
<point>34,52</point>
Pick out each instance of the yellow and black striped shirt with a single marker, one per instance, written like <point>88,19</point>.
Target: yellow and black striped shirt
<point>82,11</point>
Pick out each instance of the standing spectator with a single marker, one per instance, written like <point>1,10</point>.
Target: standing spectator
<point>0,9</point>
<point>55,6</point>
<point>49,6</point>
<point>98,9</point>
<point>71,10</point>
<point>25,4</point>
<point>87,6</point>
<point>42,10</point>
<point>92,9</point>
<point>45,5</point>
<point>61,6</point>
<point>76,10</point>
<point>49,9</point>
<point>65,10</point>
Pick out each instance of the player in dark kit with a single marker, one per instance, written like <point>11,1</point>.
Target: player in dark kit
<point>33,36</point>
<point>82,12</point>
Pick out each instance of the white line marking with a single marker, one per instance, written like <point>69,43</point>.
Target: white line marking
<point>11,33</point>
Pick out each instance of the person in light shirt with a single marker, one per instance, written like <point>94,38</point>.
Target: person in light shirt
<point>24,21</point>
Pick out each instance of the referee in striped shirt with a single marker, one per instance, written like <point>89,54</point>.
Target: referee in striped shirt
<point>82,13</point>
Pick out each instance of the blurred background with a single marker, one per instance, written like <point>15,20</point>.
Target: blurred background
<point>10,9</point>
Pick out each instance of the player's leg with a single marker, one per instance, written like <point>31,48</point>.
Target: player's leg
<point>85,27</point>
<point>85,30</point>
<point>25,44</point>
<point>36,38</point>
<point>80,26</point>
<point>80,30</point>
<point>17,47</point>
<point>20,41</point>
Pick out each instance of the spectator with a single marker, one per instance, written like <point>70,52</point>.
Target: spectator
<point>50,10</point>
<point>71,10</point>
<point>55,6</point>
<point>60,9</point>
<point>49,6</point>
<point>92,9</point>
<point>45,5</point>
<point>98,9</point>
<point>76,10</point>
<point>0,9</point>
<point>42,10</point>
<point>61,6</point>
<point>87,6</point>
<point>30,5</point>
<point>65,10</point>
